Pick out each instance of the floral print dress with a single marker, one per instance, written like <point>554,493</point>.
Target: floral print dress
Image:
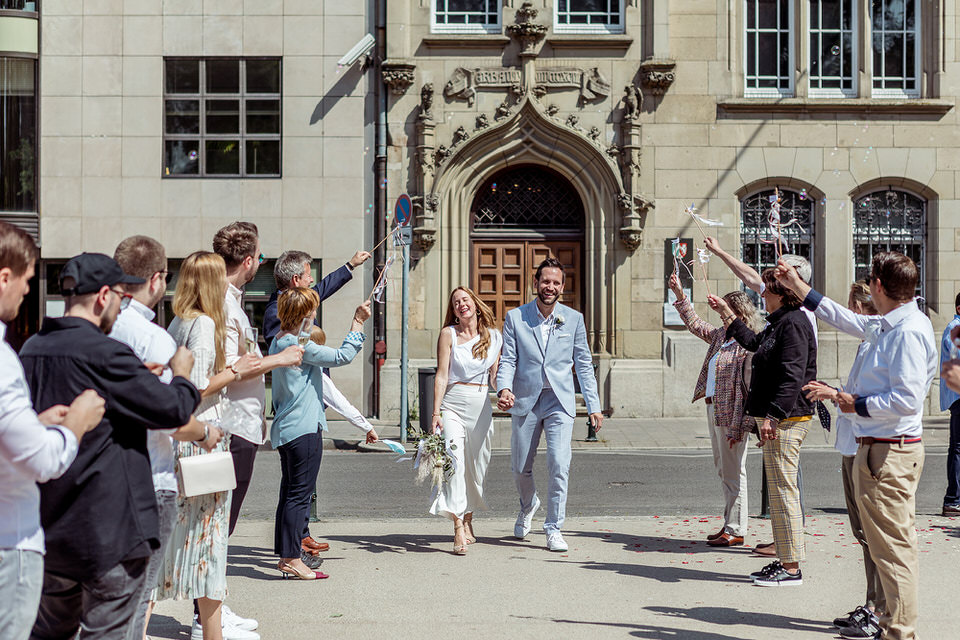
<point>195,565</point>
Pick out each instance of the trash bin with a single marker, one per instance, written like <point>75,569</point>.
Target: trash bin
<point>425,378</point>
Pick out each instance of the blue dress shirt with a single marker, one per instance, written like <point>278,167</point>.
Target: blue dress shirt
<point>947,395</point>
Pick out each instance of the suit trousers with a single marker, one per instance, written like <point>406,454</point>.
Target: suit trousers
<point>731,465</point>
<point>21,579</point>
<point>101,608</point>
<point>781,461</point>
<point>548,418</point>
<point>875,597</point>
<point>299,466</point>
<point>886,478</point>
<point>952,497</point>
<point>244,454</point>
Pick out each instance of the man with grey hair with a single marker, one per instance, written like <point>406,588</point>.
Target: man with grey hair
<point>293,270</point>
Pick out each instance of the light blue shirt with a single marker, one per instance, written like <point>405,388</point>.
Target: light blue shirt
<point>297,392</point>
<point>947,395</point>
<point>892,377</point>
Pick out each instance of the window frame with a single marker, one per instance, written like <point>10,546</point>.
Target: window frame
<point>763,192</point>
<point>202,97</point>
<point>760,92</point>
<point>604,28</point>
<point>917,58</point>
<point>854,91</point>
<point>466,28</point>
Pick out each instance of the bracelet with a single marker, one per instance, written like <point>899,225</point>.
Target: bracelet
<point>236,374</point>
<point>435,415</point>
<point>728,318</point>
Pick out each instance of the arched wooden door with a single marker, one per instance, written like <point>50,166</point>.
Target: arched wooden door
<point>521,216</point>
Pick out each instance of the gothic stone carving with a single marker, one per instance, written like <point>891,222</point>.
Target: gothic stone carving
<point>426,101</point>
<point>632,102</point>
<point>503,110</point>
<point>464,83</point>
<point>594,133</point>
<point>397,75</point>
<point>526,31</point>
<point>658,75</point>
<point>460,135</point>
<point>482,122</point>
<point>441,154</point>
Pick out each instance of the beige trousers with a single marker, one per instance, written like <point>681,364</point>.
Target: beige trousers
<point>731,465</point>
<point>781,460</point>
<point>885,478</point>
<point>874,588</point>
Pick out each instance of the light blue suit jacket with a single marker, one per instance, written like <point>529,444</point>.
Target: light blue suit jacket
<point>525,359</point>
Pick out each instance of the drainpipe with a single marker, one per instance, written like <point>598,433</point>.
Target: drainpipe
<point>380,200</point>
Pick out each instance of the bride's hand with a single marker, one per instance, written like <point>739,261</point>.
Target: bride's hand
<point>437,424</point>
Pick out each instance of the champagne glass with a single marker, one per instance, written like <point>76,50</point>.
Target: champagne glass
<point>303,336</point>
<point>250,338</point>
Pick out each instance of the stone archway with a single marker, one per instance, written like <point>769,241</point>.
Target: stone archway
<point>528,136</point>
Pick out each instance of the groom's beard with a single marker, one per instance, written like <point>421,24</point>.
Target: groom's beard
<point>547,298</point>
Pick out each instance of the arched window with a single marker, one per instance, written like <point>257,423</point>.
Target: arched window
<point>528,198</point>
<point>758,246</point>
<point>889,220</point>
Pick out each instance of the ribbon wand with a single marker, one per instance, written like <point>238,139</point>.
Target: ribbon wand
<point>703,257</point>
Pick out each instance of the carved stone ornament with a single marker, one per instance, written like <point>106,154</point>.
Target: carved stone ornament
<point>553,110</point>
<point>526,31</point>
<point>613,151</point>
<point>632,102</point>
<point>432,201</point>
<point>631,237</point>
<point>503,110</point>
<point>464,83</point>
<point>426,101</point>
<point>425,238</point>
<point>539,91</point>
<point>441,154</point>
<point>398,75</point>
<point>482,122</point>
<point>594,133</point>
<point>572,121</point>
<point>658,75</point>
<point>460,135</point>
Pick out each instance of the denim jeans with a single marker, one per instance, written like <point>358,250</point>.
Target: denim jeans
<point>21,579</point>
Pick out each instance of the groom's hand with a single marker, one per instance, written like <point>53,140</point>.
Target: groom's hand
<point>596,419</point>
<point>506,400</point>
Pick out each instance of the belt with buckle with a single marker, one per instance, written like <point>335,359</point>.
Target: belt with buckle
<point>902,440</point>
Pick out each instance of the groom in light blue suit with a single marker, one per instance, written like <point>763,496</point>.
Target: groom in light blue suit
<point>542,343</point>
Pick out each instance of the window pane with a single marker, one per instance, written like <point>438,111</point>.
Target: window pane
<point>768,55</point>
<point>263,116</point>
<point>893,16</point>
<point>182,116</point>
<point>889,220</point>
<point>223,157</point>
<point>893,55</point>
<point>757,243</point>
<point>767,14</point>
<point>223,76</point>
<point>18,134</point>
<point>223,116</point>
<point>263,157</point>
<point>465,5</point>
<point>181,157</point>
<point>183,76</point>
<point>263,76</point>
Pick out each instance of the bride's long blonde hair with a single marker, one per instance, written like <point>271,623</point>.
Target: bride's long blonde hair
<point>200,290</point>
<point>485,321</point>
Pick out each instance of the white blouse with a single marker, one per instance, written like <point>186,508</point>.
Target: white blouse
<point>466,368</point>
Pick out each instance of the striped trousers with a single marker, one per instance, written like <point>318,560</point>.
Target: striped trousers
<point>781,461</point>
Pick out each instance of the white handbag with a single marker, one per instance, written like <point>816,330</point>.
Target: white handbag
<point>207,473</point>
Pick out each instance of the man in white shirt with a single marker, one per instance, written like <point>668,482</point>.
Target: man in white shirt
<point>886,404</point>
<point>145,258</point>
<point>239,246</point>
<point>30,451</point>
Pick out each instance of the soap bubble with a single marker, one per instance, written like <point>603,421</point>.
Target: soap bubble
<point>836,172</point>
<point>823,201</point>
<point>192,155</point>
<point>803,194</point>
<point>835,49</point>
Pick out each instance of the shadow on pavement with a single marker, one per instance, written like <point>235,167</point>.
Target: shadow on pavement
<point>659,544</point>
<point>251,562</point>
<point>728,616</point>
<point>646,630</point>
<point>661,574</point>
<point>171,628</point>
<point>397,542</point>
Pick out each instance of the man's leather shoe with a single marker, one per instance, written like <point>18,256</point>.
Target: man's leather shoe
<point>726,540</point>
<point>714,536</point>
<point>309,544</point>
<point>767,551</point>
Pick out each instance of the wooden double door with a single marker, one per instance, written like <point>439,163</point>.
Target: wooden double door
<point>503,272</point>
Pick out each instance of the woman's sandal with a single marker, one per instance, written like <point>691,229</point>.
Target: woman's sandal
<point>468,527</point>
<point>458,549</point>
<point>288,571</point>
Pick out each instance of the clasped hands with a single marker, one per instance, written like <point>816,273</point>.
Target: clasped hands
<point>816,390</point>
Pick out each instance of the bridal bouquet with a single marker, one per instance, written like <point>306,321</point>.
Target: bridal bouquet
<point>433,460</point>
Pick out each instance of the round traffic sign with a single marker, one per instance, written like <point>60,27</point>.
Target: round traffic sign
<point>402,210</point>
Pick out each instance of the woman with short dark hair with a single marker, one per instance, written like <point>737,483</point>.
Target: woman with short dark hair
<point>785,359</point>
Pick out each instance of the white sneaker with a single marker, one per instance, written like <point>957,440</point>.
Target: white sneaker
<point>229,632</point>
<point>525,520</point>
<point>231,619</point>
<point>555,542</point>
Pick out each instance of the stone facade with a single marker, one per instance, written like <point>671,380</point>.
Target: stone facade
<point>638,158</point>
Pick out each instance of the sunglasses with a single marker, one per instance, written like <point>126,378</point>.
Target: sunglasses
<point>125,298</point>
<point>167,276</point>
<point>261,258</point>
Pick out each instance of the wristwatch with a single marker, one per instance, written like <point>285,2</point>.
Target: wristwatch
<point>206,434</point>
<point>236,374</point>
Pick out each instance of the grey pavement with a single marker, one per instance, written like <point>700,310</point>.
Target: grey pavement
<point>624,434</point>
<point>641,577</point>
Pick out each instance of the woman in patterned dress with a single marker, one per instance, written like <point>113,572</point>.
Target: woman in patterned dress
<point>195,565</point>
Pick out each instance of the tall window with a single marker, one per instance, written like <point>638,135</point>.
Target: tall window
<point>769,48</point>
<point>896,35</point>
<point>18,5</point>
<point>466,15</point>
<point>18,134</point>
<point>832,51</point>
<point>889,220</point>
<point>221,117</point>
<point>605,16</point>
<point>758,245</point>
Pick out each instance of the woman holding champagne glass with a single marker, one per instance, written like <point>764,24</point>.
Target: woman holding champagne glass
<point>299,419</point>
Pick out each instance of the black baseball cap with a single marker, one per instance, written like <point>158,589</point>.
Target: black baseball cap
<point>91,272</point>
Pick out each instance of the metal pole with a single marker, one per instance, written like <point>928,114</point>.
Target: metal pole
<point>405,313</point>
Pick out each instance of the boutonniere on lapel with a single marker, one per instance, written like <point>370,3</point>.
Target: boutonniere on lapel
<point>558,321</point>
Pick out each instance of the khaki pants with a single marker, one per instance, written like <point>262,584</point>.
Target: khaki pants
<point>731,465</point>
<point>781,460</point>
<point>875,598</point>
<point>885,479</point>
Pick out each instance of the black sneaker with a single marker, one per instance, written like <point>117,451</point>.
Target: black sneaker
<point>773,567</point>
<point>950,510</point>
<point>869,629</point>
<point>780,578</point>
<point>854,618</point>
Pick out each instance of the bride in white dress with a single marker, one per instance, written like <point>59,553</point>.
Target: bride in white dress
<point>468,353</point>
